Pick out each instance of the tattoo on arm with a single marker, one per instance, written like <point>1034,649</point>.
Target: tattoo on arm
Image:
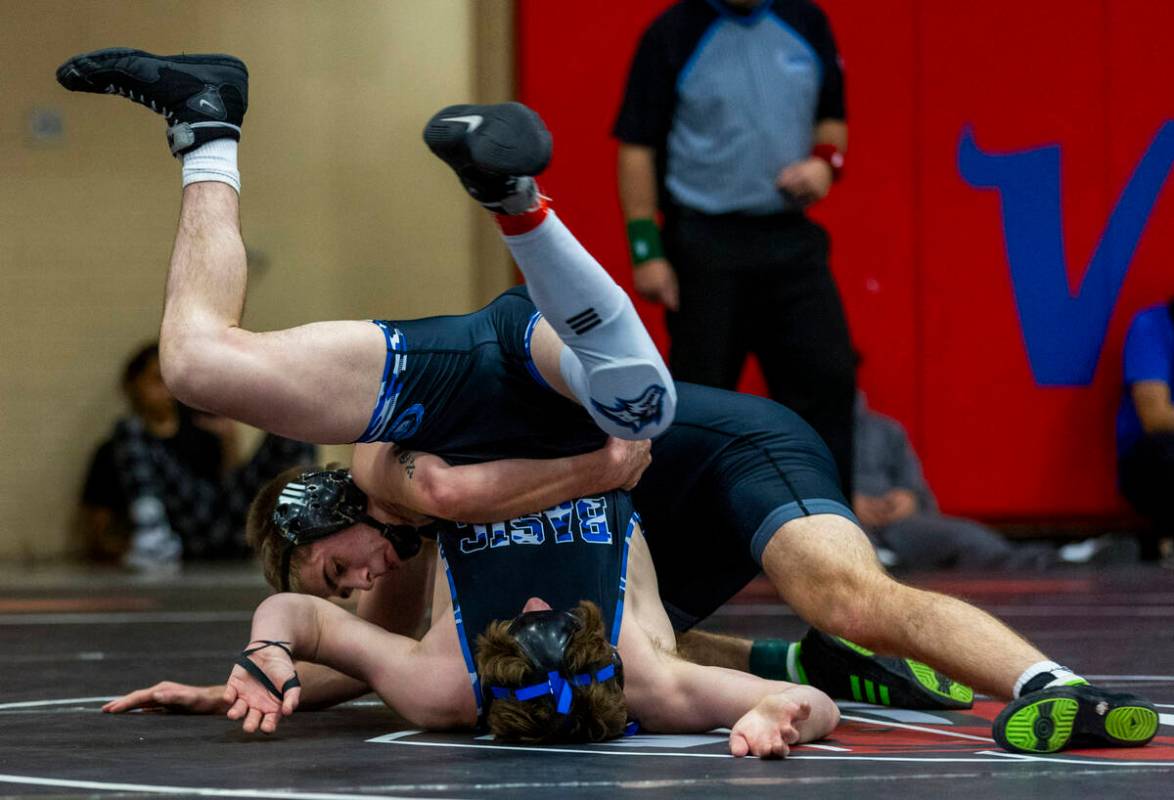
<point>408,459</point>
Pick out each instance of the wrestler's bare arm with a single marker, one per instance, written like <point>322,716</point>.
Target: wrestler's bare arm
<point>398,602</point>
<point>668,694</point>
<point>424,681</point>
<point>425,484</point>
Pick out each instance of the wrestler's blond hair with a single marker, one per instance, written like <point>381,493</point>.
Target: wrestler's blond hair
<point>598,710</point>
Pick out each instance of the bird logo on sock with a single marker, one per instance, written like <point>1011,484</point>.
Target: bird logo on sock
<point>637,413</point>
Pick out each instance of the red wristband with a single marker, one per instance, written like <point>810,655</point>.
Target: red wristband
<point>832,155</point>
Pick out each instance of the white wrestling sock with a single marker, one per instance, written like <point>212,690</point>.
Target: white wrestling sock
<point>214,161</point>
<point>610,363</point>
<point>1045,675</point>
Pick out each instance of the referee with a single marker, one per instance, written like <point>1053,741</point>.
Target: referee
<point>731,125</point>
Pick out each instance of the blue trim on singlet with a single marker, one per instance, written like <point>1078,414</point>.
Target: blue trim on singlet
<point>784,514</point>
<point>530,366</point>
<point>619,617</point>
<point>466,651</point>
<point>391,385</point>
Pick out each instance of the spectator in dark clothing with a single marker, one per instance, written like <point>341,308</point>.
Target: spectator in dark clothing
<point>167,483</point>
<point>900,513</point>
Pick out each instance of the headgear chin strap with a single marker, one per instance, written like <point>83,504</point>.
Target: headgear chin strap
<point>321,503</point>
<point>543,637</point>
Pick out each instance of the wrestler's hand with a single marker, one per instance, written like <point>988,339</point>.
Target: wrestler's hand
<point>249,700</point>
<point>768,730</point>
<point>627,461</point>
<point>655,280</point>
<point>177,698</point>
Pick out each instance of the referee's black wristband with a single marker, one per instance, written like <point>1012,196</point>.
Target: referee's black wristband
<point>644,241</point>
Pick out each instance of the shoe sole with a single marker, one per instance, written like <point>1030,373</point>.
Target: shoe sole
<point>506,139</point>
<point>72,76</point>
<point>1053,723</point>
<point>927,678</point>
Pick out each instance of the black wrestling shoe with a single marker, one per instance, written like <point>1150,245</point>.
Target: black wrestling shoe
<point>495,151</point>
<point>1065,717</point>
<point>847,671</point>
<point>202,97</point>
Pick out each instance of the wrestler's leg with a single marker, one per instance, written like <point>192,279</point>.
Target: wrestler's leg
<point>825,569</point>
<point>715,649</point>
<point>609,362</point>
<point>316,382</point>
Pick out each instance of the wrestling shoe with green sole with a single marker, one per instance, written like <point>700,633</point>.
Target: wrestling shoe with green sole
<point>202,97</point>
<point>847,671</point>
<point>1066,717</point>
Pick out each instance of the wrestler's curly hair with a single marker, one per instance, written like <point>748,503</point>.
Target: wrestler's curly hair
<point>598,710</point>
<point>264,537</point>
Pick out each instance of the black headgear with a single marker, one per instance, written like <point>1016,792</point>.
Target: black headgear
<point>543,637</point>
<point>320,503</point>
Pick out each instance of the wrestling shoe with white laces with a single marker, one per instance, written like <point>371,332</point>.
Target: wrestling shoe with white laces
<point>202,97</point>
<point>495,150</point>
<point>1064,717</point>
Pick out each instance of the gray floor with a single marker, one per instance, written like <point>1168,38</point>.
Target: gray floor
<point>69,640</point>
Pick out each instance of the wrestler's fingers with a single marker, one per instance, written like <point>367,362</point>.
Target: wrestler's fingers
<point>790,734</point>
<point>739,747</point>
<point>135,699</point>
<point>764,744</point>
<point>238,709</point>
<point>252,720</point>
<point>229,693</point>
<point>290,702</point>
<point>269,722</point>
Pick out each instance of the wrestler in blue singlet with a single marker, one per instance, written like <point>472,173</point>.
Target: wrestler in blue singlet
<point>730,470</point>
<point>465,388</point>
<point>726,475</point>
<point>572,552</point>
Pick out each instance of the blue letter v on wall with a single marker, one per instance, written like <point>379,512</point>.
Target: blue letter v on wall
<point>1064,334</point>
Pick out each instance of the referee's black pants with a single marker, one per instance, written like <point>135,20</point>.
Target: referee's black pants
<point>762,285</point>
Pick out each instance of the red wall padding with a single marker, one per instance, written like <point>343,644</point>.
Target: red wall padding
<point>919,253</point>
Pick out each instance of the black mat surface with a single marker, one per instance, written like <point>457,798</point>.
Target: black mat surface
<point>69,642</point>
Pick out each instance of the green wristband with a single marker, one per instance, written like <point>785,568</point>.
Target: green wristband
<point>644,241</point>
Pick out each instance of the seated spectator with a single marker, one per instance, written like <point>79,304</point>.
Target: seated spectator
<point>167,483</point>
<point>899,512</point>
<point>1145,423</point>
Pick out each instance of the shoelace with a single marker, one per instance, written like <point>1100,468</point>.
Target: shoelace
<point>141,99</point>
